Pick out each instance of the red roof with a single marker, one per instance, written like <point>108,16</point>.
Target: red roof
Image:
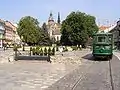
<point>103,27</point>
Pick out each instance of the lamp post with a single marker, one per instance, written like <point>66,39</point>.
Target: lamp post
<point>23,43</point>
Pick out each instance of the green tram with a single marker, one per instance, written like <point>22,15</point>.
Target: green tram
<point>103,45</point>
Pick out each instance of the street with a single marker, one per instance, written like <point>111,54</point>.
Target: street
<point>73,71</point>
<point>91,75</point>
<point>52,45</point>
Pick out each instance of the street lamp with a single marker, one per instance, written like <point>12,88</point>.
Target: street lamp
<point>23,43</point>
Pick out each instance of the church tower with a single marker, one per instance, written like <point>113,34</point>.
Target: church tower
<point>50,20</point>
<point>53,27</point>
<point>58,21</point>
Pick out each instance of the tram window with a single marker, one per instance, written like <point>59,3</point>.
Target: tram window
<point>101,39</point>
<point>110,38</point>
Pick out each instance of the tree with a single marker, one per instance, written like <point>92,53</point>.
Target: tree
<point>29,30</point>
<point>45,39</point>
<point>44,28</point>
<point>77,28</point>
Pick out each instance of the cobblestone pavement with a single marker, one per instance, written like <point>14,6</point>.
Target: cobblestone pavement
<point>116,72</point>
<point>35,75</point>
<point>61,74</point>
<point>91,75</point>
<point>28,75</point>
<point>117,54</point>
<point>6,56</point>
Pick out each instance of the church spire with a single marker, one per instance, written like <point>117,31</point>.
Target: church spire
<point>58,21</point>
<point>50,14</point>
<point>50,17</point>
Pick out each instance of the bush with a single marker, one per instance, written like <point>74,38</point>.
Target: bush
<point>45,51</point>
<point>37,50</point>
<point>56,48</point>
<point>74,48</point>
<point>53,51</point>
<point>41,52</point>
<point>65,49</point>
<point>34,51</point>
<point>15,48</point>
<point>30,48</point>
<point>49,51</point>
<point>57,42</point>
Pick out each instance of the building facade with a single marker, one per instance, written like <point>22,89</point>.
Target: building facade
<point>53,28</point>
<point>8,33</point>
<point>116,35</point>
<point>2,32</point>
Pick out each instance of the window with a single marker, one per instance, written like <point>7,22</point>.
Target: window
<point>110,38</point>
<point>57,38</point>
<point>101,39</point>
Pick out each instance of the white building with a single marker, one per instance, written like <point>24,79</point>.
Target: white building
<point>54,28</point>
<point>2,32</point>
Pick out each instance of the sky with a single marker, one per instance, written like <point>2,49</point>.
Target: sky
<point>103,10</point>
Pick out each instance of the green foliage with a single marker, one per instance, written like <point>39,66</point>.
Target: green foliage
<point>65,49</point>
<point>44,37</point>
<point>49,51</point>
<point>74,48</point>
<point>29,30</point>
<point>44,27</point>
<point>77,28</point>
<point>45,40</point>
<point>56,48</point>
<point>45,51</point>
<point>53,51</point>
<point>15,48</point>
<point>37,50</point>
<point>34,51</point>
<point>57,43</point>
<point>41,52</point>
<point>30,48</point>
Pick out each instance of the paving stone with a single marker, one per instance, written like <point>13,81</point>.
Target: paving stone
<point>35,75</point>
<point>6,56</point>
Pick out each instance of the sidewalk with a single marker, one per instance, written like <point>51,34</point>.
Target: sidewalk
<point>117,54</point>
<point>6,55</point>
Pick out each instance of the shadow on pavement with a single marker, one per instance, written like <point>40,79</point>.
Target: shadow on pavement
<point>92,58</point>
